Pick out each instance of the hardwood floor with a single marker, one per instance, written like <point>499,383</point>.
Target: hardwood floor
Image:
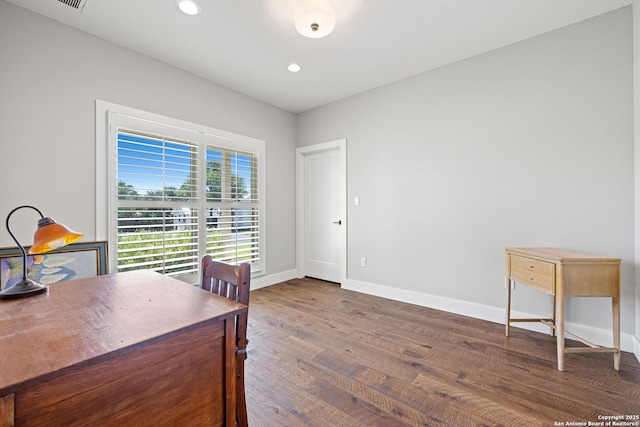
<point>323,356</point>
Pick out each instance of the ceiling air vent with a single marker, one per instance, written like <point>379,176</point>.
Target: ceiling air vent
<point>76,4</point>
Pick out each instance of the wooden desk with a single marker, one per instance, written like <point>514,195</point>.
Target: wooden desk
<point>124,349</point>
<point>564,273</point>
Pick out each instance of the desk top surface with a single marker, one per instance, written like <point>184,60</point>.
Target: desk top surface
<point>103,316</point>
<point>561,255</point>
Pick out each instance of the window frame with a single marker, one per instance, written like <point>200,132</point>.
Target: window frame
<point>110,117</point>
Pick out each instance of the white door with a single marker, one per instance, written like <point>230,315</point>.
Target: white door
<point>323,219</point>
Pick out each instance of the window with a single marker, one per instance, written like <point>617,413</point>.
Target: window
<point>177,191</point>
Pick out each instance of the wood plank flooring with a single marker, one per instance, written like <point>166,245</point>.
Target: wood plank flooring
<point>323,356</point>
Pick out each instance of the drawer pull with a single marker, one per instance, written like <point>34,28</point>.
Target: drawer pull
<point>531,267</point>
<point>532,279</point>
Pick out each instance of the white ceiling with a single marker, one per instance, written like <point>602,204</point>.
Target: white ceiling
<point>246,45</point>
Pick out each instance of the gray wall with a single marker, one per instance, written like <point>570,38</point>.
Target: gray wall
<point>50,77</point>
<point>528,145</point>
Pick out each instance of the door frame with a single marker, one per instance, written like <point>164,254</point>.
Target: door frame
<point>341,146</point>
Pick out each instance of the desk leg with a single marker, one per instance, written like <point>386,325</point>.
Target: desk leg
<point>508,283</point>
<point>559,303</point>
<point>230,370</point>
<point>7,411</point>
<point>615,306</point>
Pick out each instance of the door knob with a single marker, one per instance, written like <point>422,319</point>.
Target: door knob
<point>339,222</point>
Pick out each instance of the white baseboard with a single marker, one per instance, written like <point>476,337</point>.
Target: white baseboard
<point>493,314</point>
<point>272,279</point>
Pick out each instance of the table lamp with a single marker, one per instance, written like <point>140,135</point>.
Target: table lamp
<point>49,236</point>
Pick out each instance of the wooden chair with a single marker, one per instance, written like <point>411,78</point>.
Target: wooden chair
<point>233,282</point>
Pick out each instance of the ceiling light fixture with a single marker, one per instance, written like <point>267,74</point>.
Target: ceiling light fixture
<point>188,7</point>
<point>314,18</point>
<point>294,68</point>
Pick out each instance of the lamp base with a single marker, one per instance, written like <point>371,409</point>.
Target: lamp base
<point>23,289</point>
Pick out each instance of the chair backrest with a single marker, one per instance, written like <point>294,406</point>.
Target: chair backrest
<point>230,281</point>
<point>233,282</point>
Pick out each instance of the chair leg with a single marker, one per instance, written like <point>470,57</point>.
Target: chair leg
<point>241,401</point>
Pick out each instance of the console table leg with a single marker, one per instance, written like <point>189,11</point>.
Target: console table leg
<point>508,284</point>
<point>559,303</point>
<point>615,306</point>
<point>552,331</point>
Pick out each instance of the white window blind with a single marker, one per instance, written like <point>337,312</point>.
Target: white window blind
<point>232,203</point>
<point>157,214</point>
<point>178,193</point>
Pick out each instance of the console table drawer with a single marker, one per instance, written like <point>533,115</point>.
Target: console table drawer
<point>535,273</point>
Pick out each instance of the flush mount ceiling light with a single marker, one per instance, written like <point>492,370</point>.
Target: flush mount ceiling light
<point>314,18</point>
<point>188,7</point>
<point>294,68</point>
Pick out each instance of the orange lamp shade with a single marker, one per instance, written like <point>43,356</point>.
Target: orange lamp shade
<point>50,235</point>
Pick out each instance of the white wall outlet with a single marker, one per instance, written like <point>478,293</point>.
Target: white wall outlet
<point>363,262</point>
<point>356,201</point>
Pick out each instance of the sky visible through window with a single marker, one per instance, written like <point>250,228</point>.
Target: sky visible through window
<point>149,166</point>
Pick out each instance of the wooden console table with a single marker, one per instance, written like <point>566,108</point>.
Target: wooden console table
<point>125,349</point>
<point>564,273</point>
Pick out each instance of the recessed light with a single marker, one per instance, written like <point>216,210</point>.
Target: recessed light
<point>188,7</point>
<point>294,68</point>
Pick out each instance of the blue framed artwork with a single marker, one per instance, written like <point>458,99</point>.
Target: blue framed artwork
<point>74,261</point>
